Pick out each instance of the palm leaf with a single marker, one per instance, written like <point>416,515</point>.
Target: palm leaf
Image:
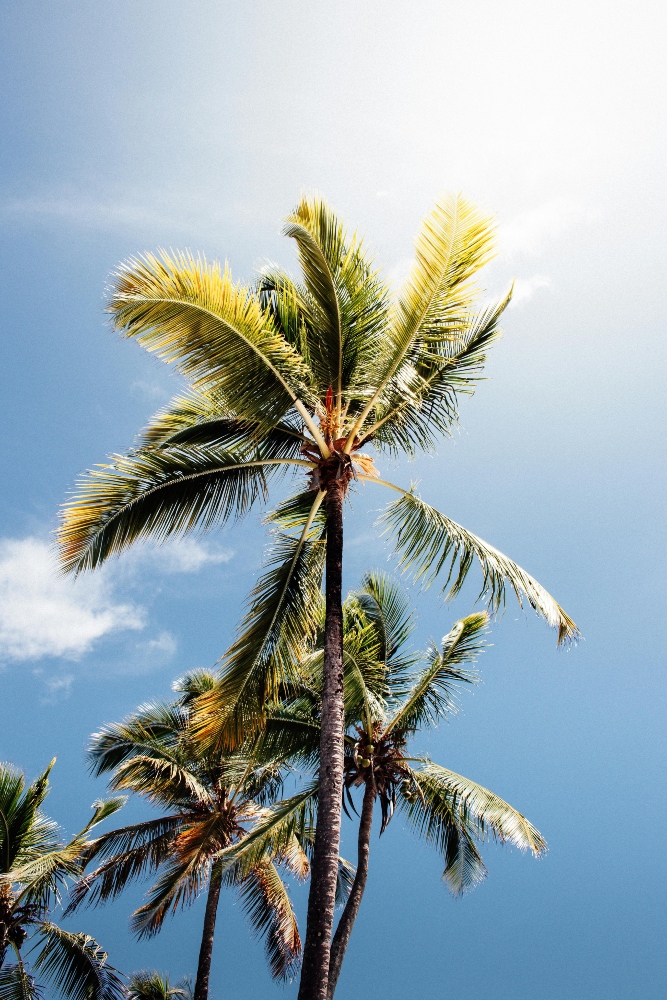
<point>77,966</point>
<point>191,313</point>
<point>162,779</point>
<point>273,629</point>
<point>17,984</point>
<point>156,494</point>
<point>433,693</point>
<point>267,905</point>
<point>428,542</point>
<point>155,724</point>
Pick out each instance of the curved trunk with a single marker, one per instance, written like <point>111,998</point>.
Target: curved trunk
<point>206,949</point>
<point>324,871</point>
<point>349,914</point>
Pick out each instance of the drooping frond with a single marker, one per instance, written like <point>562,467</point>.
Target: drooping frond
<point>157,493</point>
<point>433,694</point>
<point>267,905</point>
<point>191,313</point>
<point>128,853</point>
<point>262,657</point>
<point>161,779</point>
<point>77,966</point>
<point>428,542</point>
<point>16,983</point>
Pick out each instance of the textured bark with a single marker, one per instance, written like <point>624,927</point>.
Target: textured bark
<point>324,871</point>
<point>349,914</point>
<point>206,949</point>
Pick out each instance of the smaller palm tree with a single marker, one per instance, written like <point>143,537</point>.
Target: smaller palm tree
<point>152,985</point>
<point>206,801</point>
<point>35,865</point>
<point>390,694</point>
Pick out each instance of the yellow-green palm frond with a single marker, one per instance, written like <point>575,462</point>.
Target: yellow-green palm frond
<point>162,778</point>
<point>191,313</point>
<point>268,907</point>
<point>428,542</point>
<point>433,693</point>
<point>157,494</point>
<point>344,303</point>
<point>264,655</point>
<point>454,243</point>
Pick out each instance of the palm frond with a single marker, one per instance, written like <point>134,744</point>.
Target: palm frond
<point>151,985</point>
<point>158,493</point>
<point>154,725</point>
<point>267,905</point>
<point>162,780</point>
<point>274,627</point>
<point>455,241</point>
<point>17,984</point>
<point>24,834</point>
<point>433,693</point>
<point>385,604</point>
<point>428,542</point>
<point>77,966</point>
<point>192,314</point>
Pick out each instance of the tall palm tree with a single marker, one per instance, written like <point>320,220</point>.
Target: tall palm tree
<point>208,798</point>
<point>35,864</point>
<point>312,376</point>
<point>390,694</point>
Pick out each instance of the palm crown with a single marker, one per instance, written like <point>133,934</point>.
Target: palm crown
<point>35,865</point>
<point>206,800</point>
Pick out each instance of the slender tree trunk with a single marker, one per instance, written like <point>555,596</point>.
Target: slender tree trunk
<point>349,914</point>
<point>324,872</point>
<point>206,949</point>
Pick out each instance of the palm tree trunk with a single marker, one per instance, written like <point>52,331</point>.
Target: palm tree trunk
<point>349,915</point>
<point>206,949</point>
<point>324,872</point>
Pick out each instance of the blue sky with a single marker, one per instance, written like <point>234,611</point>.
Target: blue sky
<point>132,126</point>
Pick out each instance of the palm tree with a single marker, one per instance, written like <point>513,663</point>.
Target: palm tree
<point>34,867</point>
<point>390,694</point>
<point>304,376</point>
<point>151,985</point>
<point>208,799</point>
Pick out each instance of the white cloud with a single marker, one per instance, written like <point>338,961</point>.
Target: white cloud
<point>530,232</point>
<point>186,555</point>
<point>525,288</point>
<point>165,645</point>
<point>43,613</point>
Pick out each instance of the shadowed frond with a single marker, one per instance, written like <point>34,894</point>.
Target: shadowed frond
<point>155,494</point>
<point>433,693</point>
<point>16,983</point>
<point>267,905</point>
<point>428,542</point>
<point>192,314</point>
<point>77,966</point>
<point>274,628</point>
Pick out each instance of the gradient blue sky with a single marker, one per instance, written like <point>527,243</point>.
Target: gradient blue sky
<point>128,126</point>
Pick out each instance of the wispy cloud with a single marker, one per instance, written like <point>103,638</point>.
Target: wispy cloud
<point>45,614</point>
<point>530,232</point>
<point>525,288</point>
<point>186,555</point>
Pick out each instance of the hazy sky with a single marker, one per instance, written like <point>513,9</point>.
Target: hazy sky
<point>133,125</point>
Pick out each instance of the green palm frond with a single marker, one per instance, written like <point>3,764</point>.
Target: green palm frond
<point>385,604</point>
<point>24,834</point>
<point>151,985</point>
<point>292,733</point>
<point>442,373</point>
<point>192,314</point>
<point>162,779</point>
<point>273,629</point>
<point>16,983</point>
<point>272,835</point>
<point>455,242</point>
<point>193,685</point>
<point>433,693</point>
<point>345,303</point>
<point>128,853</point>
<point>156,724</point>
<point>77,966</point>
<point>267,905</point>
<point>428,542</point>
<point>156,494</point>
